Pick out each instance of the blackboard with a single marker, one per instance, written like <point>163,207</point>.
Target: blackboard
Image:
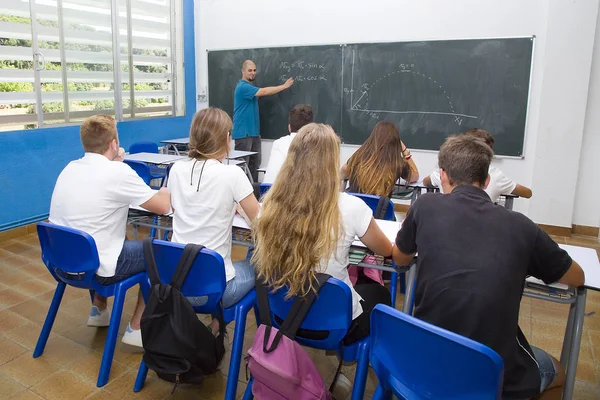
<point>431,89</point>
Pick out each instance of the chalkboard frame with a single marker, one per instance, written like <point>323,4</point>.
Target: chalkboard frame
<point>346,44</point>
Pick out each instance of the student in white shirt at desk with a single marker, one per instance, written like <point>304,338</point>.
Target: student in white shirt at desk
<point>307,225</point>
<point>205,193</point>
<point>499,184</point>
<point>300,115</point>
<point>93,194</point>
<point>473,259</point>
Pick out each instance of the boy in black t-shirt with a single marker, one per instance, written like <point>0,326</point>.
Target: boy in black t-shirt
<point>474,257</point>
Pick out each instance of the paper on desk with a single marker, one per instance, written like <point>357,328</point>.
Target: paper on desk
<point>390,230</point>
<point>588,260</point>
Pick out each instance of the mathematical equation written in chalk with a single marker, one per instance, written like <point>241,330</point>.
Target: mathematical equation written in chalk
<point>302,71</point>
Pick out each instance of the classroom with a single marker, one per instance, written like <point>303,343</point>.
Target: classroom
<point>198,81</point>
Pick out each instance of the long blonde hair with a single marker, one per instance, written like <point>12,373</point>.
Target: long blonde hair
<point>378,163</point>
<point>209,134</point>
<point>299,224</point>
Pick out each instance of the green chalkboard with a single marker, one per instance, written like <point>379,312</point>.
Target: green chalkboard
<point>430,89</point>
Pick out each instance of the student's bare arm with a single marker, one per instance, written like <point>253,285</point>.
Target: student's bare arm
<point>414,171</point>
<point>427,181</point>
<point>250,206</point>
<point>160,203</point>
<point>401,259</point>
<point>522,191</point>
<point>271,90</point>
<point>574,276</point>
<point>376,240</point>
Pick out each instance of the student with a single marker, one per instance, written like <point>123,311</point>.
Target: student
<point>300,115</point>
<point>204,195</point>
<point>474,257</point>
<point>380,162</point>
<point>93,194</point>
<point>499,185</point>
<point>307,225</point>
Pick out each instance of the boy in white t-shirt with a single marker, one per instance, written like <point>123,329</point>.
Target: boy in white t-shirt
<point>499,184</point>
<point>300,115</point>
<point>93,194</point>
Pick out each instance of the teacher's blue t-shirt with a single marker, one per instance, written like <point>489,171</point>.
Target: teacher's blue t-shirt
<point>246,122</point>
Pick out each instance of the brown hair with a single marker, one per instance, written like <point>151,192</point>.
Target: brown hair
<point>300,220</point>
<point>466,159</point>
<point>378,163</point>
<point>300,115</point>
<point>97,132</point>
<point>208,134</point>
<point>484,135</point>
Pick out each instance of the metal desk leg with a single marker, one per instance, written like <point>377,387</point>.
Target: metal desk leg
<point>509,203</point>
<point>566,347</point>
<point>410,287</point>
<point>135,232</point>
<point>575,343</point>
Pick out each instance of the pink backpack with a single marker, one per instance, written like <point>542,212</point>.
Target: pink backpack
<point>281,368</point>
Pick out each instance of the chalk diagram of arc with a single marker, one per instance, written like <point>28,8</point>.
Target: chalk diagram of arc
<point>374,97</point>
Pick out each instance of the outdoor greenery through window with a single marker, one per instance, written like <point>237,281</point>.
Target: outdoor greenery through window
<point>64,60</point>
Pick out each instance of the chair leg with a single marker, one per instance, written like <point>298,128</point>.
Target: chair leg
<point>360,378</point>
<point>111,336</point>
<point>394,288</point>
<point>248,393</point>
<point>140,380</point>
<point>92,294</point>
<point>50,317</point>
<point>236,353</point>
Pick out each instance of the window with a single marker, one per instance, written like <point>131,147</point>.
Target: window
<point>58,63</point>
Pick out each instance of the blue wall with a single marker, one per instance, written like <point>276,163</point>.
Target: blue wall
<point>31,160</point>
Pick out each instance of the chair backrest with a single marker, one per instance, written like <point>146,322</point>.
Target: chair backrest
<point>432,363</point>
<point>372,201</point>
<point>141,168</point>
<point>206,277</point>
<point>264,188</point>
<point>143,147</point>
<point>70,255</point>
<point>331,313</point>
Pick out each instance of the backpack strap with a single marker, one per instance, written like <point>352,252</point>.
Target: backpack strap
<point>190,252</point>
<point>151,262</point>
<point>382,206</point>
<point>295,317</point>
<point>262,298</point>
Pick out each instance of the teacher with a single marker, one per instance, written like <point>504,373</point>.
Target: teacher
<point>246,122</point>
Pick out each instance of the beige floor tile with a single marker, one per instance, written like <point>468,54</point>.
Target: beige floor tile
<point>27,395</point>
<point>10,320</point>
<point>33,309</point>
<point>26,335</point>
<point>14,261</point>
<point>586,371</point>
<point>34,269</point>
<point>592,323</point>
<point>586,391</point>
<point>547,328</point>
<point>9,388</point>
<point>89,365</point>
<point>594,337</point>
<point>35,287</point>
<point>11,297</point>
<point>153,388</point>
<point>28,370</point>
<point>556,315</point>
<point>128,355</point>
<point>63,352</point>
<point>64,385</point>
<point>13,276</point>
<point>9,350</point>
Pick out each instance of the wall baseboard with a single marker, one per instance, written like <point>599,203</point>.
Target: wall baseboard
<point>585,230</point>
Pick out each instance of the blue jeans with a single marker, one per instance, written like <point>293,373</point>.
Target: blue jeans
<point>236,288</point>
<point>547,371</point>
<point>130,262</point>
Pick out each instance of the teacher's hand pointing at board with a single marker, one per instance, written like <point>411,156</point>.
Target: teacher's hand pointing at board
<point>289,82</point>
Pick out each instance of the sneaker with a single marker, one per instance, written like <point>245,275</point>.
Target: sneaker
<point>99,318</point>
<point>132,337</point>
<point>342,389</point>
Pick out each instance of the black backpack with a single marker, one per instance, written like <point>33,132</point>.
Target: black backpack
<point>177,345</point>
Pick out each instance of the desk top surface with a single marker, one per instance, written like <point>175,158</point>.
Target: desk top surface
<point>240,154</point>
<point>185,140</point>
<point>153,158</point>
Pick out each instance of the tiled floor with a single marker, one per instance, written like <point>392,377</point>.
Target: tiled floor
<point>69,366</point>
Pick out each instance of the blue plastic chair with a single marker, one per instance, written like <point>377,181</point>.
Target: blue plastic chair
<point>71,257</point>
<point>331,312</point>
<point>372,202</point>
<point>264,188</point>
<point>433,363</point>
<point>149,147</point>
<point>141,168</point>
<point>206,278</point>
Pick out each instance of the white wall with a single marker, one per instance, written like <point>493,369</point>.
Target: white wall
<point>587,204</point>
<point>564,33</point>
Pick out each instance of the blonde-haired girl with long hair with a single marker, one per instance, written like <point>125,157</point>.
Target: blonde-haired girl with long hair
<point>307,226</point>
<point>205,192</point>
<point>381,160</point>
